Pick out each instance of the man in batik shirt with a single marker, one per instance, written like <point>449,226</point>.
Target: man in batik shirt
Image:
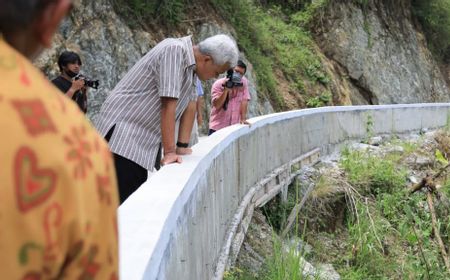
<point>58,192</point>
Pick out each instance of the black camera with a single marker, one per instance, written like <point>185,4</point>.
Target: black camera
<point>234,79</point>
<point>87,82</point>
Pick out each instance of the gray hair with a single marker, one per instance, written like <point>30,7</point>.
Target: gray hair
<point>222,48</point>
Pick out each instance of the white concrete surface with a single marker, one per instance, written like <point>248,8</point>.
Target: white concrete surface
<point>176,225</point>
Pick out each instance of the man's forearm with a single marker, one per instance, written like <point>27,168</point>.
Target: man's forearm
<point>186,123</point>
<point>168,124</point>
<point>243,110</point>
<point>218,102</point>
<point>199,104</point>
<point>70,92</point>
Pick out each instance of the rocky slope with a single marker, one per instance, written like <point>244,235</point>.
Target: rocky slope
<point>109,47</point>
<point>381,50</point>
<point>374,53</point>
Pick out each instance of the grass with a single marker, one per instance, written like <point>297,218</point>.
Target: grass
<point>319,101</point>
<point>271,41</point>
<point>305,16</point>
<point>386,233</point>
<point>167,12</point>
<point>390,232</point>
<point>277,211</point>
<point>370,173</point>
<point>285,262</point>
<point>238,274</point>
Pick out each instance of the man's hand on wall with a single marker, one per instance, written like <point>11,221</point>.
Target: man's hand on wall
<point>171,158</point>
<point>245,122</point>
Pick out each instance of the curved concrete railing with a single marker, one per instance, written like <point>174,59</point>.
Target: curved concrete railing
<point>183,223</point>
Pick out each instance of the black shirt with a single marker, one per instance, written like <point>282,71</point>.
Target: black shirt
<point>79,97</point>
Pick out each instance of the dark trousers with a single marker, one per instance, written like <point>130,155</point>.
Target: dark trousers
<point>130,175</point>
<point>211,131</point>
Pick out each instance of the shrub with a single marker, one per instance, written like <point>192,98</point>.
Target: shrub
<point>434,15</point>
<point>372,173</point>
<point>169,12</point>
<point>271,42</point>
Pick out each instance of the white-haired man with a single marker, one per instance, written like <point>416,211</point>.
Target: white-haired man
<point>138,117</point>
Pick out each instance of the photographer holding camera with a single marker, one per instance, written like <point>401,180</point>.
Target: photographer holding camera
<point>71,82</point>
<point>230,98</point>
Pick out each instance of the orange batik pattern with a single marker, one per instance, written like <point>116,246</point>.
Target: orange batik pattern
<point>58,192</point>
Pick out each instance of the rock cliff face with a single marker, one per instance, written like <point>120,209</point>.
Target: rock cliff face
<point>108,48</point>
<point>380,50</point>
<point>373,52</point>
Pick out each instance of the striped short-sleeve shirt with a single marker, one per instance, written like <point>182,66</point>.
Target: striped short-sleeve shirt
<point>134,105</point>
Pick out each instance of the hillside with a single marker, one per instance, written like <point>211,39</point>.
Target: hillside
<point>302,53</point>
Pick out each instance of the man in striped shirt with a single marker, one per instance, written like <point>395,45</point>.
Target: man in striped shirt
<point>138,116</point>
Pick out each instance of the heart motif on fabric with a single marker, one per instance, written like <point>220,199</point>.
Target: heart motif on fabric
<point>34,185</point>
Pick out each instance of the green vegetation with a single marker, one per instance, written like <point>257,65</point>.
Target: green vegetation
<point>369,128</point>
<point>286,263</point>
<point>384,232</point>
<point>271,41</point>
<point>372,174</point>
<point>238,274</point>
<point>278,211</point>
<point>389,231</point>
<point>364,3</point>
<point>319,101</point>
<point>290,5</point>
<point>305,16</point>
<point>434,15</point>
<point>168,12</point>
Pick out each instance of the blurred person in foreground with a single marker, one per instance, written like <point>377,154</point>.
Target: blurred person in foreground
<point>58,192</point>
<point>138,117</point>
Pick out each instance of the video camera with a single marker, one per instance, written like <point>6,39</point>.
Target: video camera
<point>234,79</point>
<point>88,82</point>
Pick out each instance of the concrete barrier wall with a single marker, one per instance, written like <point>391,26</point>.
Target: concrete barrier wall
<point>178,224</point>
